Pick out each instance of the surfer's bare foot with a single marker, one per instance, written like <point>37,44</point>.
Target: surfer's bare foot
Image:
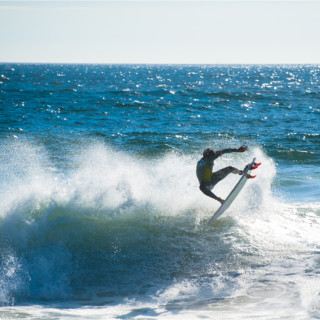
<point>241,172</point>
<point>220,200</point>
<point>246,167</point>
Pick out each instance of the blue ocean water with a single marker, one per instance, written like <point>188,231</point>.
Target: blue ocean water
<point>100,212</point>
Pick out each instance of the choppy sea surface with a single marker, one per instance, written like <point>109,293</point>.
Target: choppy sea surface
<point>100,212</point>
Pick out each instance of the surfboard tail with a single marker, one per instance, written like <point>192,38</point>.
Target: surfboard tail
<point>255,165</point>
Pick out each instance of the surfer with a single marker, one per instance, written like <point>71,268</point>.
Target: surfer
<point>208,179</point>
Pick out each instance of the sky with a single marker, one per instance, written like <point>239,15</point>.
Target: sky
<point>168,32</point>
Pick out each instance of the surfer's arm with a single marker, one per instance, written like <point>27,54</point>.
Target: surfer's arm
<point>242,148</point>
<point>228,151</point>
<point>221,152</point>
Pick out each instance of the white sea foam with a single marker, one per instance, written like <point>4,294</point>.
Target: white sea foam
<point>143,221</point>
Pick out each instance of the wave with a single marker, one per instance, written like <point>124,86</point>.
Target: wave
<point>108,224</point>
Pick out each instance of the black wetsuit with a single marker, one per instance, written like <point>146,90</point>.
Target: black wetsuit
<point>207,178</point>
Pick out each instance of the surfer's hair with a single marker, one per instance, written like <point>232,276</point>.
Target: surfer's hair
<point>208,152</point>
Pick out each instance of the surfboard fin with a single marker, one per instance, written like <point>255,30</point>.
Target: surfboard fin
<point>249,176</point>
<point>255,166</point>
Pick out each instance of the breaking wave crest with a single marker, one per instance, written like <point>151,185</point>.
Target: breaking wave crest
<point>107,225</point>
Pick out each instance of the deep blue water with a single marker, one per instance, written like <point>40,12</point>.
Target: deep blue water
<point>100,202</point>
<point>145,108</point>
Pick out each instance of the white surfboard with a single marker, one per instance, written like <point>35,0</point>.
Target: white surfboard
<point>233,194</point>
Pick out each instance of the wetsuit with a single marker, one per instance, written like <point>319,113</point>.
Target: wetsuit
<point>207,178</point>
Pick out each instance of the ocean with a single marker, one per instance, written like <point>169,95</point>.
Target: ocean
<point>101,216</point>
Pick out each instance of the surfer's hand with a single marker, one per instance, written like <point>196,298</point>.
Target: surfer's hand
<point>220,200</point>
<point>242,148</point>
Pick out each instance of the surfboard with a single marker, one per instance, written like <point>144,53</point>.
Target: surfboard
<point>233,194</point>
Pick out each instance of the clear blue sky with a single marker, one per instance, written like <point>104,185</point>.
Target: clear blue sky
<point>160,31</point>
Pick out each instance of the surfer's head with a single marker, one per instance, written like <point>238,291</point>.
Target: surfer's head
<point>208,153</point>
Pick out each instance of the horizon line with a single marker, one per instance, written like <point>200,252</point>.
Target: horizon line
<point>163,63</point>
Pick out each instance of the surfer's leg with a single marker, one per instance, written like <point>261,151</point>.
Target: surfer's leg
<point>206,190</point>
<point>221,174</point>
